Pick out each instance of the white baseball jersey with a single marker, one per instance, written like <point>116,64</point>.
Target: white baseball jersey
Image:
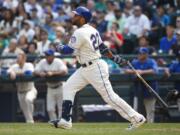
<point>23,86</point>
<point>56,65</point>
<point>87,46</point>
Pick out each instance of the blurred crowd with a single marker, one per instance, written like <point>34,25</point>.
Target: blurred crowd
<point>33,26</point>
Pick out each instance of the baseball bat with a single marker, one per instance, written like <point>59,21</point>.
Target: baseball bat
<point>153,92</point>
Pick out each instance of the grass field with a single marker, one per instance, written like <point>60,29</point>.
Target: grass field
<point>89,129</point>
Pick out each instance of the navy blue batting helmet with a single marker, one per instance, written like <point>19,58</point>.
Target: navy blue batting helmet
<point>84,12</point>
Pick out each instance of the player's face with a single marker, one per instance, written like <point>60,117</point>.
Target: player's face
<point>21,59</point>
<point>76,20</point>
<point>49,59</point>
<point>142,56</point>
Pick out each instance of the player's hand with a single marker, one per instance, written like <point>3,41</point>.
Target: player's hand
<point>58,47</point>
<point>119,60</point>
<point>49,73</point>
<point>42,74</point>
<point>140,71</point>
<point>12,75</point>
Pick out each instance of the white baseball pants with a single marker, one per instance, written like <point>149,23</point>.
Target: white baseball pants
<point>54,98</point>
<point>26,102</point>
<point>97,75</point>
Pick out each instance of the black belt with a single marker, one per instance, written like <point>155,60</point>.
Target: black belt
<point>55,87</point>
<point>87,64</point>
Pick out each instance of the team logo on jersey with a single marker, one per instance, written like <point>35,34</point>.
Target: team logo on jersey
<point>73,39</point>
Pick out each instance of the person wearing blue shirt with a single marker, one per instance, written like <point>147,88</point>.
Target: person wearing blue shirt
<point>175,68</point>
<point>145,65</point>
<point>167,41</point>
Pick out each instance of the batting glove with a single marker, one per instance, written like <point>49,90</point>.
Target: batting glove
<point>119,60</point>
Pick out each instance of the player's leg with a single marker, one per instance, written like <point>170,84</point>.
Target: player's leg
<point>51,104</point>
<point>24,107</point>
<point>75,83</point>
<point>104,88</point>
<point>29,99</point>
<point>149,104</point>
<point>59,100</point>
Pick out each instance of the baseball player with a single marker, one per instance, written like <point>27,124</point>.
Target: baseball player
<point>145,65</point>
<point>51,66</point>
<point>26,91</point>
<point>88,47</point>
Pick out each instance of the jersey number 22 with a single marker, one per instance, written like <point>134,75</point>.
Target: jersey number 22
<point>95,41</point>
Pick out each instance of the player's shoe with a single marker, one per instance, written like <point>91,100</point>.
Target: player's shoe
<point>62,123</point>
<point>135,125</point>
<point>52,122</point>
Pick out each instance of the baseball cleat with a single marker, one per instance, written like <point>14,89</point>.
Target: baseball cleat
<point>53,122</point>
<point>62,123</point>
<point>135,125</point>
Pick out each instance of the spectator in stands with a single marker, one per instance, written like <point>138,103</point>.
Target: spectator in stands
<point>110,10</point>
<point>144,42</point>
<point>48,67</point>
<point>10,4</point>
<point>4,42</point>
<point>8,23</point>
<point>20,15</point>
<point>137,24</point>
<point>43,44</point>
<point>115,38</point>
<point>33,17</point>
<point>164,18</point>
<point>26,91</point>
<point>11,50</point>
<point>27,30</point>
<point>31,51</point>
<point>48,10</point>
<point>48,26</point>
<point>101,22</point>
<point>176,47</point>
<point>23,43</point>
<point>167,41</point>
<point>62,16</point>
<point>145,66</point>
<point>30,4</point>
<point>177,24</point>
<point>60,31</point>
<point>128,8</point>
<point>119,19</point>
<point>101,5</point>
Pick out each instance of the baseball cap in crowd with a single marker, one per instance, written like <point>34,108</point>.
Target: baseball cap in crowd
<point>49,52</point>
<point>143,50</point>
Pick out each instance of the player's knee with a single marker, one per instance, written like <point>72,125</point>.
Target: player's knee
<point>29,100</point>
<point>50,110</point>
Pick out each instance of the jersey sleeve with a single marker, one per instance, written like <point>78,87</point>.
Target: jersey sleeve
<point>62,65</point>
<point>30,67</point>
<point>171,68</point>
<point>76,40</point>
<point>12,68</point>
<point>154,66</point>
<point>39,66</point>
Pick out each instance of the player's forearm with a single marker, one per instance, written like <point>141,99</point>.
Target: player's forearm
<point>62,72</point>
<point>129,71</point>
<point>148,71</point>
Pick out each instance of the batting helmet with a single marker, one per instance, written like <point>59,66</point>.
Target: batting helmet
<point>84,12</point>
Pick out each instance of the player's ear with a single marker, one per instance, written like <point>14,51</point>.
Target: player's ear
<point>82,20</point>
